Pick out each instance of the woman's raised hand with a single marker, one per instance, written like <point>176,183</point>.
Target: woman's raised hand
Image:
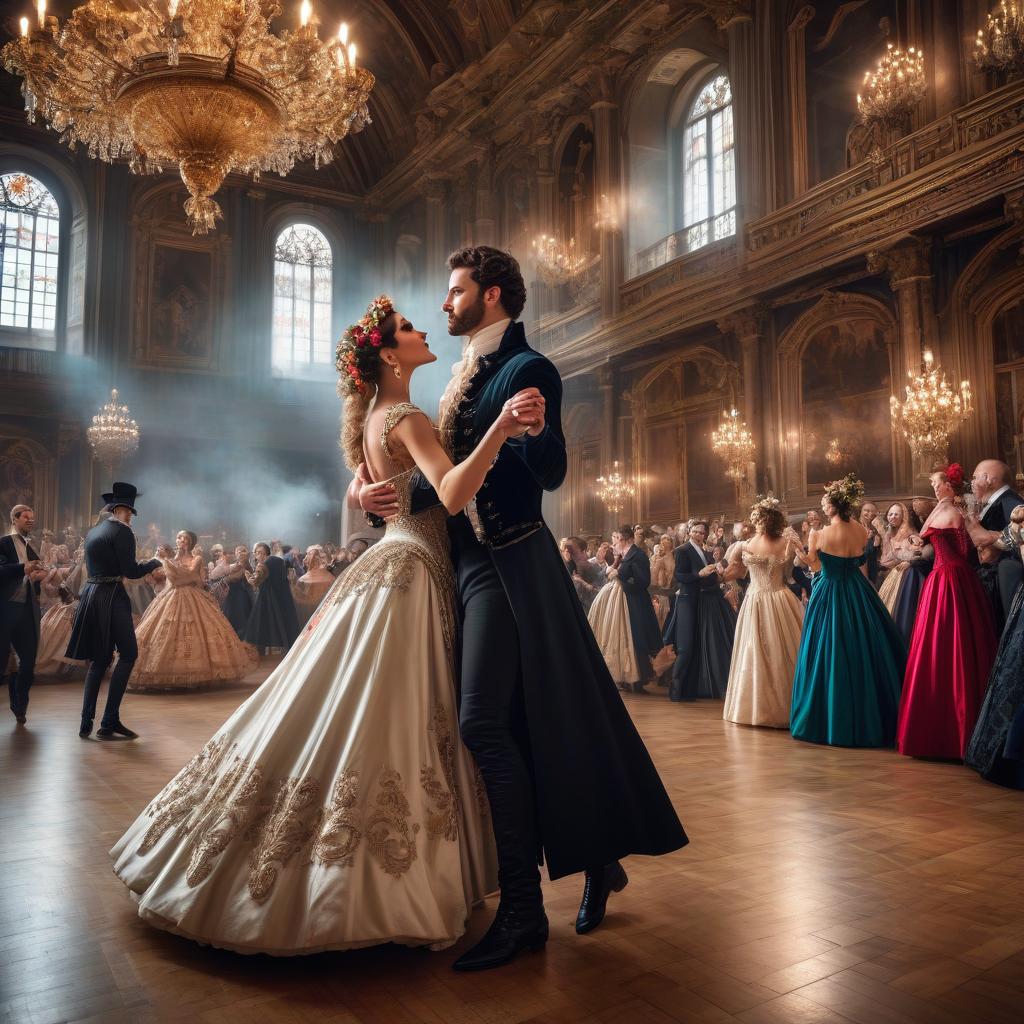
<point>523,412</point>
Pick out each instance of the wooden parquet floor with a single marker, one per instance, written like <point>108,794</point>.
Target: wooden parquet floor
<point>821,886</point>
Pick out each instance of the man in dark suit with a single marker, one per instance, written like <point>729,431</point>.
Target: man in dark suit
<point>695,571</point>
<point>996,500</point>
<point>634,575</point>
<point>103,622</point>
<point>20,573</point>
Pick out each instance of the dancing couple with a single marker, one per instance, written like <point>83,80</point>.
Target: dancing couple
<point>340,806</point>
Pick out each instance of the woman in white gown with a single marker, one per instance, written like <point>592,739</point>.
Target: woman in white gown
<point>337,807</point>
<point>767,637</point>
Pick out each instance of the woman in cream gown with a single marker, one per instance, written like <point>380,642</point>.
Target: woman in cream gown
<point>337,807</point>
<point>897,552</point>
<point>609,619</point>
<point>185,642</point>
<point>768,627</point>
<point>312,586</point>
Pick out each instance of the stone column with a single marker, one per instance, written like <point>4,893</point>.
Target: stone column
<point>796,58</point>
<point>434,189</point>
<point>908,267</point>
<point>608,184</point>
<point>748,326</point>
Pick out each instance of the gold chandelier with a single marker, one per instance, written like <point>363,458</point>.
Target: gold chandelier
<point>614,490</point>
<point>893,89</point>
<point>734,444</point>
<point>200,84</point>
<point>113,434</point>
<point>1000,45</point>
<point>559,263</point>
<point>931,412</point>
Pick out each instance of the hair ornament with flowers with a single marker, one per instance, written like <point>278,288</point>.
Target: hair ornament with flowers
<point>846,493</point>
<point>763,504</point>
<point>955,476</point>
<point>358,352</point>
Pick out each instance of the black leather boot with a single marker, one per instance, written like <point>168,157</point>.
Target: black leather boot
<point>85,729</point>
<point>511,932</point>
<point>600,884</point>
<point>109,732</point>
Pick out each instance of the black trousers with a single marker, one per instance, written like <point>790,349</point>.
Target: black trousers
<point>490,717</point>
<point>122,639</point>
<point>19,628</point>
<point>685,641</point>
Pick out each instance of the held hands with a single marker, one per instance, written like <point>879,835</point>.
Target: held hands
<point>522,414</point>
<point>708,570</point>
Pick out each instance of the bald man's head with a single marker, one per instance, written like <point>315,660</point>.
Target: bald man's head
<point>989,476</point>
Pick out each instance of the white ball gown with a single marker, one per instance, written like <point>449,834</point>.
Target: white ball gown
<point>337,807</point>
<point>185,642</point>
<point>765,647</point>
<point>609,619</point>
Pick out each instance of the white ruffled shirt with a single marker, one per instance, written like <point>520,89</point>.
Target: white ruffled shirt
<point>485,342</point>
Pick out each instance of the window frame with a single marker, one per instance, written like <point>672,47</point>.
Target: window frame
<point>687,119</point>
<point>41,339</point>
<point>308,368</point>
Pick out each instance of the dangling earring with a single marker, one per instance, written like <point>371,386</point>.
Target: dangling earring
<point>398,371</point>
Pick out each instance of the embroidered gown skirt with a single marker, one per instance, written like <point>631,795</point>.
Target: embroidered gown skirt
<point>337,807</point>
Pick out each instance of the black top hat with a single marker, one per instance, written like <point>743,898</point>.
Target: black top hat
<point>122,494</point>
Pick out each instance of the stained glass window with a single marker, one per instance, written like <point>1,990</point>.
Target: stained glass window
<point>303,265</point>
<point>29,253</point>
<point>709,166</point>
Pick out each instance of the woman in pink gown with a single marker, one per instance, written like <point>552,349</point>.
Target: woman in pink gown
<point>954,640</point>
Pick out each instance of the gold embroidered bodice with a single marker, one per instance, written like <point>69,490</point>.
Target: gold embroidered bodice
<point>409,538</point>
<point>767,572</point>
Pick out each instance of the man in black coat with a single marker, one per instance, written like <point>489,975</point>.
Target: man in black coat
<point>634,575</point>
<point>20,573</point>
<point>103,621</point>
<point>568,778</point>
<point>695,572</point>
<point>991,486</point>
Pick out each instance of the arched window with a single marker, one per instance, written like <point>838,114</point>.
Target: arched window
<point>302,299</point>
<point>709,166</point>
<point>29,254</point>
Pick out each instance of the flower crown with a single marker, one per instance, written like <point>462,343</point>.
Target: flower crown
<point>362,335</point>
<point>848,491</point>
<point>763,504</point>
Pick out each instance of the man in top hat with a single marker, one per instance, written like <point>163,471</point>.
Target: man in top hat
<point>103,622</point>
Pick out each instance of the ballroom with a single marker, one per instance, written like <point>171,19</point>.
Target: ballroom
<point>747,280</point>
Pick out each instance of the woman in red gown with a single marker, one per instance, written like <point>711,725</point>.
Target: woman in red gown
<point>954,640</point>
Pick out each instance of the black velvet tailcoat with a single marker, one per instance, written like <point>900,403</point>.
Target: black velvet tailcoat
<point>635,578</point>
<point>598,795</point>
<point>109,554</point>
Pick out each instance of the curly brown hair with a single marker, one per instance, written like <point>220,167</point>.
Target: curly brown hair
<point>494,268</point>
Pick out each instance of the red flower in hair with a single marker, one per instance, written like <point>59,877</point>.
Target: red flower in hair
<point>357,331</point>
<point>955,474</point>
<point>376,337</point>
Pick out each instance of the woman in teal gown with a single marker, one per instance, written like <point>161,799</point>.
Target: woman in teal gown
<point>849,670</point>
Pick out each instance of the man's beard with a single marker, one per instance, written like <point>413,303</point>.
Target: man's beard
<point>459,326</point>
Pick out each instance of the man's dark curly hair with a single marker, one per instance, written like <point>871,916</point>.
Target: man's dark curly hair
<point>494,268</point>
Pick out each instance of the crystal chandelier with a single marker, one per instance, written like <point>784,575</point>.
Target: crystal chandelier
<point>113,434</point>
<point>614,490</point>
<point>203,85</point>
<point>557,263</point>
<point>893,89</point>
<point>931,412</point>
<point>1000,45</point>
<point>733,443</point>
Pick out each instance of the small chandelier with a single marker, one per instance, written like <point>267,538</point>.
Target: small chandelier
<point>931,412</point>
<point>557,263</point>
<point>893,89</point>
<point>834,455</point>
<point>734,444</point>
<point>614,490</point>
<point>113,434</point>
<point>999,46</point>
<point>201,85</point>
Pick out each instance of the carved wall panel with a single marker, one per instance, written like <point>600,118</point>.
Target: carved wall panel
<point>837,364</point>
